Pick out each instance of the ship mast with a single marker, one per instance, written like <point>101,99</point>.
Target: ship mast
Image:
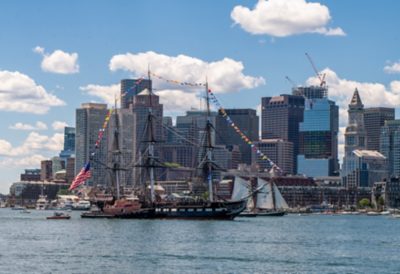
<point>209,148</point>
<point>116,152</point>
<point>151,140</point>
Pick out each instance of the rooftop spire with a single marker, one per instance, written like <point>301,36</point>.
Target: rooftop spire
<point>356,100</point>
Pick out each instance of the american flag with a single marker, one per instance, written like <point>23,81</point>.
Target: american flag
<point>82,176</point>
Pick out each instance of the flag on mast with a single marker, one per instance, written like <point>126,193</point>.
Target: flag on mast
<point>82,176</point>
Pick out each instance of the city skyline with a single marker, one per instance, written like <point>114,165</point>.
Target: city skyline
<point>57,56</point>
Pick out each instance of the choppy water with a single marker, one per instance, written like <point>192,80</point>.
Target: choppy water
<point>291,244</point>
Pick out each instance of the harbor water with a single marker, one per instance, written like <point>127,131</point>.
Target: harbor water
<point>291,244</point>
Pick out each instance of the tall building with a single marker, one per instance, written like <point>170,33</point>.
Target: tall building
<point>318,148</point>
<point>132,87</point>
<point>281,116</point>
<point>46,170</point>
<point>278,150</point>
<point>390,146</point>
<point>122,145</point>
<point>374,119</point>
<point>355,139</point>
<point>89,120</point>
<point>247,121</point>
<point>142,104</point>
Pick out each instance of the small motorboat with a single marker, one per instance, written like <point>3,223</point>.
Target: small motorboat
<point>59,216</point>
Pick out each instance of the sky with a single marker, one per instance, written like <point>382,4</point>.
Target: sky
<point>56,55</point>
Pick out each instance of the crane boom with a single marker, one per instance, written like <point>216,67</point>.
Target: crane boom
<point>320,77</point>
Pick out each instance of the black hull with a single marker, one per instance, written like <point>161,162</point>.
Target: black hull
<point>272,214</point>
<point>212,211</point>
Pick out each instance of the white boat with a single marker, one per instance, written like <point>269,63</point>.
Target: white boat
<point>42,203</point>
<point>81,205</point>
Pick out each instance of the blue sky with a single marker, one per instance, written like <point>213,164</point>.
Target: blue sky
<point>56,55</point>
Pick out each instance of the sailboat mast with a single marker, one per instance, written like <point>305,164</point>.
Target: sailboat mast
<point>209,149</point>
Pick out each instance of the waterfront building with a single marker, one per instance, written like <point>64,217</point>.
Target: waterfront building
<point>374,120</point>
<point>278,150</point>
<point>89,120</point>
<point>318,146</point>
<point>390,145</point>
<point>132,87</point>
<point>389,190</point>
<point>32,175</point>
<point>247,121</point>
<point>280,119</point>
<point>46,170</point>
<point>27,193</point>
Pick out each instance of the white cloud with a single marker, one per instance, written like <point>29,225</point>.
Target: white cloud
<point>20,93</point>
<point>223,76</point>
<point>393,68</point>
<point>39,50</point>
<point>32,161</point>
<point>106,93</point>
<point>372,95</point>
<point>282,18</point>
<point>59,61</point>
<point>21,126</point>
<point>33,143</point>
<point>59,125</point>
<point>177,101</point>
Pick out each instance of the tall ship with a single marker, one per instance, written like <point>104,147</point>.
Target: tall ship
<point>144,202</point>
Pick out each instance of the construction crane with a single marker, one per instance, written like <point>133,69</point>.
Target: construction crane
<point>320,77</point>
<point>291,81</point>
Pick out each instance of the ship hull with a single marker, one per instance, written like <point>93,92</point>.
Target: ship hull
<point>211,211</point>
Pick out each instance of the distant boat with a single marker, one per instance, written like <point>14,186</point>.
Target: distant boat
<point>42,203</point>
<point>81,205</point>
<point>59,216</point>
<point>268,201</point>
<point>18,208</point>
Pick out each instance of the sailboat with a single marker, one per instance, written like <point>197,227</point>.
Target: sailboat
<point>147,205</point>
<point>266,201</point>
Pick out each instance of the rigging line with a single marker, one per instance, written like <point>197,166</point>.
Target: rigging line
<point>171,129</point>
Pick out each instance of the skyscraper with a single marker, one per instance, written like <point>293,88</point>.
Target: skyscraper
<point>132,87</point>
<point>281,116</point>
<point>122,145</point>
<point>278,150</point>
<point>69,143</point>
<point>318,148</point>
<point>247,121</point>
<point>89,120</point>
<point>390,145</point>
<point>143,103</point>
<point>374,120</point>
